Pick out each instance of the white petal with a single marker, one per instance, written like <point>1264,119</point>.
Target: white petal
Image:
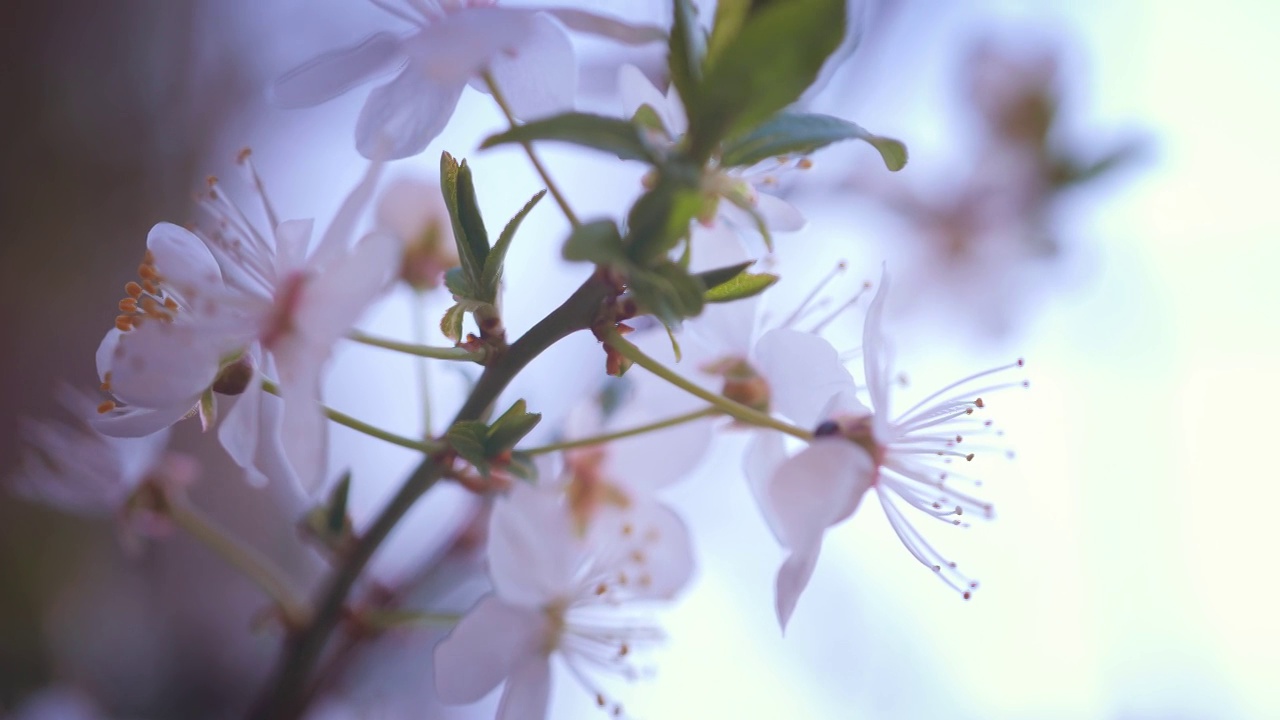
<point>793,577</point>
<point>164,364</point>
<point>402,117</point>
<point>407,207</point>
<point>875,358</point>
<point>487,645</point>
<point>778,214</point>
<point>331,302</point>
<point>464,43</point>
<point>539,76</point>
<point>250,433</point>
<point>766,450</point>
<point>804,372</point>
<point>644,463</point>
<point>106,352</point>
<point>528,691</point>
<point>666,561</point>
<point>303,433</point>
<point>604,26</point>
<point>635,89</point>
<point>292,239</point>
<point>334,73</point>
<point>533,551</point>
<point>182,259</point>
<point>338,237</point>
<point>134,422</point>
<point>816,488</point>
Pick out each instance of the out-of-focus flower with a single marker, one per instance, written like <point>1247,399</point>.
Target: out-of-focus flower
<point>858,448</point>
<point>56,703</point>
<point>414,212</point>
<point>525,50</point>
<point>76,469</point>
<point>741,187</point>
<point>554,593</point>
<point>234,303</point>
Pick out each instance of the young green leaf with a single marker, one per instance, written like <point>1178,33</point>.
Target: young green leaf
<point>498,254</point>
<point>744,285</point>
<point>687,51</point>
<point>613,135</point>
<point>790,133</point>
<point>508,429</point>
<point>451,323</point>
<point>772,60</point>
<point>597,242</point>
<point>465,217</point>
<point>467,438</point>
<point>336,512</point>
<point>722,275</point>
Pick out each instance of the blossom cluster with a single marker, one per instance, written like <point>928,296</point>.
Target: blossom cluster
<point>232,322</point>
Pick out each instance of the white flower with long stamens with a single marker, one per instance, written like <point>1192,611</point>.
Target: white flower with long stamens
<point>234,304</point>
<point>749,191</point>
<point>76,469</point>
<point>554,594</point>
<point>526,51</point>
<point>905,456</point>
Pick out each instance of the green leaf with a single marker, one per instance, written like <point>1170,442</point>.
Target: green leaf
<point>686,51</point>
<point>648,118</point>
<point>796,133</point>
<point>523,466</point>
<point>661,217</point>
<point>743,286</point>
<point>719,276</point>
<point>498,254</point>
<point>613,135</point>
<point>667,292</point>
<point>467,438</point>
<point>508,429</point>
<point>597,242</point>
<point>459,198</point>
<point>774,58</point>
<point>451,323</point>
<point>455,279</point>
<point>730,17</point>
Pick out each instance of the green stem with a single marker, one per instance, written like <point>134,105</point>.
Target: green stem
<point>287,694</point>
<point>423,446</point>
<point>501,100</point>
<point>736,410</point>
<point>418,317</point>
<point>423,351</point>
<point>618,435</point>
<point>248,561</point>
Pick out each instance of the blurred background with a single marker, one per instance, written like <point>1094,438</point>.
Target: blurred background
<point>1089,188</point>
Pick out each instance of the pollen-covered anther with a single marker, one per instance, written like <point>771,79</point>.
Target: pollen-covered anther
<point>125,323</point>
<point>128,305</point>
<point>979,403</point>
<point>804,163</point>
<point>106,407</point>
<point>133,289</point>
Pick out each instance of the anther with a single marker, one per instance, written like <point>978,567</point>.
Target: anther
<point>128,305</point>
<point>804,163</point>
<point>133,289</point>
<point>106,407</point>
<point>170,303</point>
<point>600,701</point>
<point>243,155</point>
<point>147,271</point>
<point>969,457</point>
<point>979,403</point>
<point>124,323</point>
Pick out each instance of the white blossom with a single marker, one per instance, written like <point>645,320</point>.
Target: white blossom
<point>906,456</point>
<point>555,593</point>
<point>526,51</point>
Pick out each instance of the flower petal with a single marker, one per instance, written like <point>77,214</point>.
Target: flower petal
<point>662,563</point>
<point>133,422</point>
<point>334,299</point>
<point>303,433</point>
<point>338,237</point>
<point>250,433</point>
<point>875,358</point>
<point>539,75</point>
<point>528,691</point>
<point>402,117</point>
<point>604,26</point>
<point>778,214</point>
<point>766,450</point>
<point>635,89</point>
<point>804,372</point>
<point>163,364</point>
<point>533,549</point>
<point>488,644</point>
<point>817,488</point>
<point>292,239</point>
<point>793,578</point>
<point>334,73</point>
<point>183,260</point>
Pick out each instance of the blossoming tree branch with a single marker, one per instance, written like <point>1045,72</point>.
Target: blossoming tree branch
<point>231,323</point>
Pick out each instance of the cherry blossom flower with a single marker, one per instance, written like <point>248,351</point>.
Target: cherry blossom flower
<point>554,593</point>
<point>741,187</point>
<point>857,448</point>
<point>525,50</point>
<point>76,469</point>
<point>221,308</point>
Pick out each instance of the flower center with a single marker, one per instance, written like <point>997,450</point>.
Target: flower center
<point>281,320</point>
<point>857,429</point>
<point>589,490</point>
<point>742,383</point>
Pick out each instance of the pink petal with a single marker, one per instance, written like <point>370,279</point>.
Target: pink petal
<point>490,642</point>
<point>539,75</point>
<point>804,372</point>
<point>336,72</point>
<point>528,691</point>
